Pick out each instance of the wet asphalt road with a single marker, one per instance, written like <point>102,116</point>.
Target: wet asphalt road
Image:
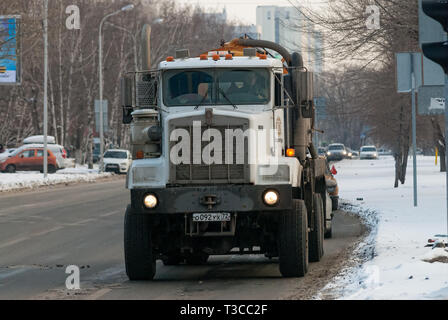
<point>42,232</point>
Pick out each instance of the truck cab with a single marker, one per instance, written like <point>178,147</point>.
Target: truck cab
<point>223,162</point>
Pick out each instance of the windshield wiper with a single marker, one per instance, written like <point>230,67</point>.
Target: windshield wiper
<point>200,103</point>
<point>227,98</point>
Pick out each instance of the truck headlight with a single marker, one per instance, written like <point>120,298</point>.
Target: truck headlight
<point>271,197</point>
<point>150,201</point>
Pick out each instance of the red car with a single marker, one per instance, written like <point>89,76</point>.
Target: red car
<point>31,159</point>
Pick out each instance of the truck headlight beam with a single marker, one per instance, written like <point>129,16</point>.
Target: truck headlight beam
<point>150,201</point>
<point>271,197</point>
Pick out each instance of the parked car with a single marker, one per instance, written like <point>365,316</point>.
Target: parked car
<point>5,154</point>
<point>350,153</point>
<point>384,152</point>
<point>368,152</point>
<point>58,151</point>
<point>28,159</point>
<point>116,160</point>
<point>336,151</point>
<point>321,151</point>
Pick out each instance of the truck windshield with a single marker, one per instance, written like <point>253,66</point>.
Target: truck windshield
<point>194,87</point>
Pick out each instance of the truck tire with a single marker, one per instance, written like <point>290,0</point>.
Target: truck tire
<point>197,259</point>
<point>316,245</point>
<point>329,233</point>
<point>335,203</point>
<point>293,241</point>
<point>139,258</point>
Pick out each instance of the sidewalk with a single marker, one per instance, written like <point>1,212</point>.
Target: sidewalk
<point>399,231</point>
<point>32,180</point>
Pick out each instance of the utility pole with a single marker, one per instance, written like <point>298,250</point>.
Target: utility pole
<point>414,130</point>
<point>45,88</point>
<point>100,72</point>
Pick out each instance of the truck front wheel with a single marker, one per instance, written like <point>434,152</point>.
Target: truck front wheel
<point>293,241</point>
<point>139,258</point>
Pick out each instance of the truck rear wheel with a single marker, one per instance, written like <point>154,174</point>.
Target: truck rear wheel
<point>335,203</point>
<point>329,233</point>
<point>138,252</point>
<point>317,234</point>
<point>293,241</point>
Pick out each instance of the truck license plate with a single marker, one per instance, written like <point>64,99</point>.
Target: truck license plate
<point>211,217</point>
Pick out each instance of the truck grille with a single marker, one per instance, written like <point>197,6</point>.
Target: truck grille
<point>236,172</point>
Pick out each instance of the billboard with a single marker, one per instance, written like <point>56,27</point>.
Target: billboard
<point>10,68</point>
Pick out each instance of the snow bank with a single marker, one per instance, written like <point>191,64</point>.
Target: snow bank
<point>29,180</point>
<point>395,248</point>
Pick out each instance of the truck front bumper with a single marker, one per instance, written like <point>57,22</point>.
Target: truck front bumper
<point>199,199</point>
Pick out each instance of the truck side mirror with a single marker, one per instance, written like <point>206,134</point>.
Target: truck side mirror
<point>126,99</point>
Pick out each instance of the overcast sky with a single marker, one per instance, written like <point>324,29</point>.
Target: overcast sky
<point>245,10</point>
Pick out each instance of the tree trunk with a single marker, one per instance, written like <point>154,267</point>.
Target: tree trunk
<point>442,159</point>
<point>397,169</point>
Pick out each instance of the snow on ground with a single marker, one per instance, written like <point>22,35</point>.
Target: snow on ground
<point>30,179</point>
<point>399,232</point>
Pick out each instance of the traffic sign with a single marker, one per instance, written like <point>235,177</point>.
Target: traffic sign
<point>409,64</point>
<point>97,115</point>
<point>431,100</point>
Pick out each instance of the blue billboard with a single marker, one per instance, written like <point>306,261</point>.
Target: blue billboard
<point>9,50</point>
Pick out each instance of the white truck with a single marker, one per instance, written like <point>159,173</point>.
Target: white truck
<point>223,160</point>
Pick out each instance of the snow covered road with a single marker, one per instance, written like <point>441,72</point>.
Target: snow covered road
<point>399,231</point>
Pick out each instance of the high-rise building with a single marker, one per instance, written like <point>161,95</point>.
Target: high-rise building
<point>288,27</point>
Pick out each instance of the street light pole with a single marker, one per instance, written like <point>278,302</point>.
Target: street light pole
<point>45,88</point>
<point>100,44</point>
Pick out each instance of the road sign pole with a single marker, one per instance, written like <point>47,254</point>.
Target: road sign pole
<point>414,137</point>
<point>45,88</point>
<point>446,143</point>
